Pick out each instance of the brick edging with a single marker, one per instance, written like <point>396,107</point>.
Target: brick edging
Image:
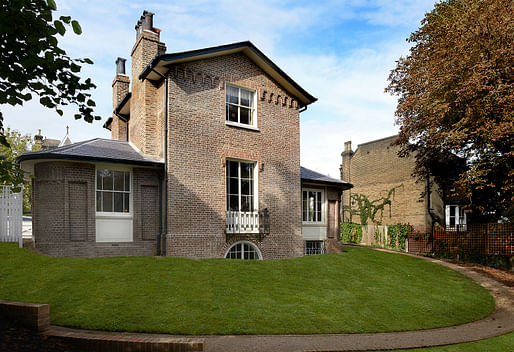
<point>36,317</point>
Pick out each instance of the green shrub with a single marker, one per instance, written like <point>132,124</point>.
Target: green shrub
<point>351,233</point>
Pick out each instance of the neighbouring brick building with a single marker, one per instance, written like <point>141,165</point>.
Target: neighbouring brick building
<point>375,168</point>
<point>204,162</point>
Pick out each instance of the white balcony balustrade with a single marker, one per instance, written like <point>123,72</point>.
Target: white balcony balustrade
<point>242,222</point>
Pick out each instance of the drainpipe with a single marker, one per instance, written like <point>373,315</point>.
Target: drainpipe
<point>159,235</point>
<point>164,210</point>
<point>429,209</point>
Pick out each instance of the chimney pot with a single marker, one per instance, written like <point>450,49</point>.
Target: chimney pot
<point>348,146</point>
<point>147,20</point>
<point>120,66</point>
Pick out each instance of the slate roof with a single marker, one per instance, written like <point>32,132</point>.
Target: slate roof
<point>316,177</point>
<point>98,150</point>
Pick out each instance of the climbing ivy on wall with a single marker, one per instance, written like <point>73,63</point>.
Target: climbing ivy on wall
<point>397,235</point>
<point>351,233</point>
<point>366,209</point>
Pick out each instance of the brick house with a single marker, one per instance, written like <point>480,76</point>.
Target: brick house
<point>374,168</point>
<point>203,161</point>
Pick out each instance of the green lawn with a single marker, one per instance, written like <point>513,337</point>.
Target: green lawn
<point>360,290</point>
<point>504,343</point>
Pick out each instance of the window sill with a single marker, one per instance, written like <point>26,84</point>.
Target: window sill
<point>314,224</point>
<point>113,215</point>
<point>241,125</point>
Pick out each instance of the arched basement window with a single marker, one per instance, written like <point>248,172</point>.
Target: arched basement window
<point>243,250</point>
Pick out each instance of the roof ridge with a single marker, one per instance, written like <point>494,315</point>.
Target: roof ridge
<point>74,145</point>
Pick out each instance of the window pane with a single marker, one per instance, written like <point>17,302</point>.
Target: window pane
<point>118,202</point>
<point>245,116</point>
<point>98,201</point>
<point>304,206</point>
<point>246,187</point>
<point>233,169</point>
<point>318,206</point>
<point>232,95</point>
<point>107,201</point>
<point>232,113</point>
<point>246,97</point>
<point>126,205</point>
<point>233,186</point>
<point>246,170</point>
<point>118,180</point>
<point>246,203</point>
<point>233,203</point>
<point>127,181</point>
<point>107,180</point>
<point>98,179</point>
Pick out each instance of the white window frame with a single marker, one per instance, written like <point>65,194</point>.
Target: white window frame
<point>130,192</point>
<point>322,249</point>
<point>255,183</point>
<point>323,207</point>
<point>253,114</point>
<point>459,216</point>
<point>115,227</point>
<point>241,243</point>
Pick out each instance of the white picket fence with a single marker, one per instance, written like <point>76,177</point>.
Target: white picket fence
<point>11,220</point>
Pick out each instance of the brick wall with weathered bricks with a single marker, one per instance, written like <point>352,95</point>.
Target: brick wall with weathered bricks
<point>65,209</point>
<point>200,142</point>
<point>120,88</point>
<point>374,169</point>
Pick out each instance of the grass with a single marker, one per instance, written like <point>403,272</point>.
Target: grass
<point>504,343</point>
<point>360,290</point>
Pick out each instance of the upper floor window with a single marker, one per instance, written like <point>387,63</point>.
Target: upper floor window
<point>312,206</point>
<point>240,106</point>
<point>112,191</point>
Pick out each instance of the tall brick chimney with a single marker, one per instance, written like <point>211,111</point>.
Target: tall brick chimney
<point>146,106</point>
<point>345,175</point>
<point>120,88</point>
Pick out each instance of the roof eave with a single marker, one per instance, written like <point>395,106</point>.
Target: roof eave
<point>344,186</point>
<point>107,124</point>
<point>51,156</point>
<point>123,108</point>
<point>162,62</point>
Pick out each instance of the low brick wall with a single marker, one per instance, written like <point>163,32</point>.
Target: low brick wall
<point>36,334</point>
<point>30,315</point>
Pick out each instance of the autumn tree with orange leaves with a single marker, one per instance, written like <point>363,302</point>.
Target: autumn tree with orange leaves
<point>456,95</point>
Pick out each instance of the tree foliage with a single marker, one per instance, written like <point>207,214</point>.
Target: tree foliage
<point>456,95</point>
<point>32,64</point>
<point>18,144</point>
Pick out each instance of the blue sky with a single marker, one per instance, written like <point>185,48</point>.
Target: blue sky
<point>339,51</point>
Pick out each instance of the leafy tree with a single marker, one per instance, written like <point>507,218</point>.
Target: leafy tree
<point>32,64</point>
<point>18,144</point>
<point>456,99</point>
